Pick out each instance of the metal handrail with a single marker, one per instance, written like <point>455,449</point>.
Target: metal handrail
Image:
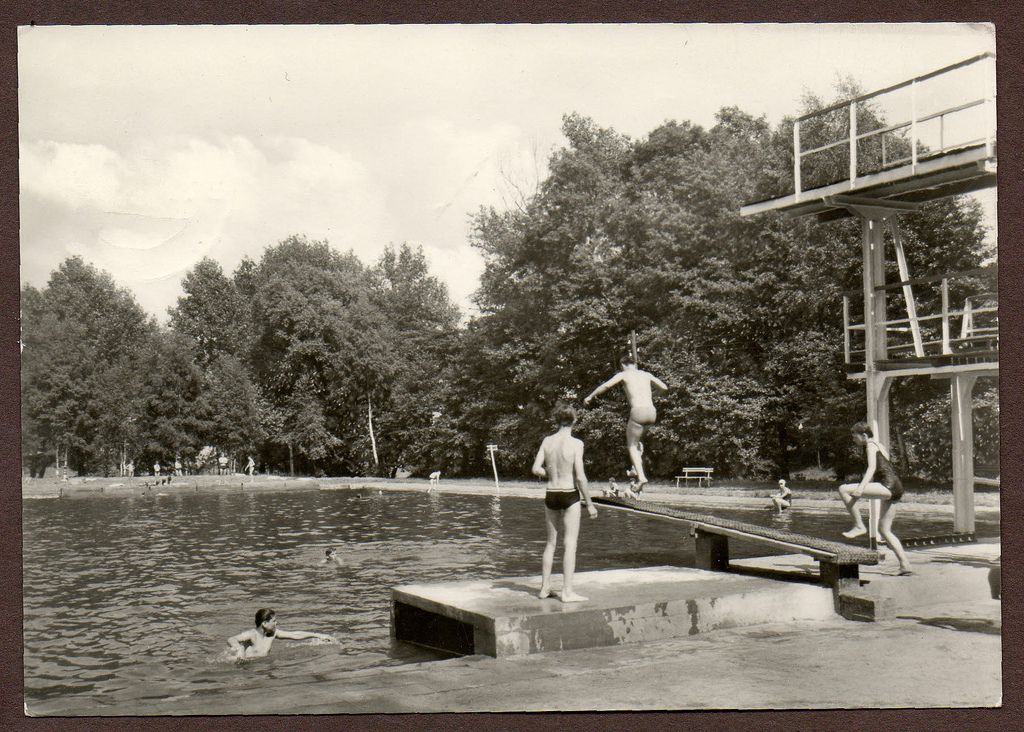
<point>853,136</point>
<point>968,316</point>
<point>894,87</point>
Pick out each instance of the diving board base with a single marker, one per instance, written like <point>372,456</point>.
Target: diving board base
<point>504,617</point>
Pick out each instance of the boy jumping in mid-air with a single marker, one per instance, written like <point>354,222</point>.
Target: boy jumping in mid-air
<point>256,642</point>
<point>560,460</point>
<point>642,413</point>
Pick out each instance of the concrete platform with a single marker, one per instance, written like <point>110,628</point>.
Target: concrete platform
<point>504,617</point>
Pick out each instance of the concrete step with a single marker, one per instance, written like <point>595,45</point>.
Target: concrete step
<point>504,617</point>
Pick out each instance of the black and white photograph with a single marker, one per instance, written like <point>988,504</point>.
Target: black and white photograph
<point>482,367</point>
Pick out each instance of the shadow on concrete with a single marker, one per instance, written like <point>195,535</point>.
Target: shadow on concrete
<point>516,586</point>
<point>966,625</point>
<point>977,562</point>
<point>799,573</point>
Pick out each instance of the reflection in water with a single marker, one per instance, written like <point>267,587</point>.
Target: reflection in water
<point>129,597</point>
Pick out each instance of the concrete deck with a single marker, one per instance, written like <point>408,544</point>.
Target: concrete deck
<point>506,618</point>
<point>940,648</point>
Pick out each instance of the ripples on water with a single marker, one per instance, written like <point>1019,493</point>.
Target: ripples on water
<point>134,597</point>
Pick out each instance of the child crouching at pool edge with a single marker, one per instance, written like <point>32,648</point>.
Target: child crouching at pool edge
<point>560,461</point>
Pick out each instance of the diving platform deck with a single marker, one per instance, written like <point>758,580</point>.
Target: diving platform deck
<point>504,617</point>
<point>951,173</point>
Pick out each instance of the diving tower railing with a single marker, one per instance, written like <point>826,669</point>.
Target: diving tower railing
<point>930,136</point>
<point>936,328</point>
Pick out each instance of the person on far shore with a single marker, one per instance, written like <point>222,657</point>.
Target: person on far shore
<point>886,486</point>
<point>250,467</point>
<point>256,642</point>
<point>130,469</point>
<point>222,465</point>
<point>783,499</point>
<point>560,461</point>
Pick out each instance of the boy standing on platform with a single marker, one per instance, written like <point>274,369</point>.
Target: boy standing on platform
<point>560,461</point>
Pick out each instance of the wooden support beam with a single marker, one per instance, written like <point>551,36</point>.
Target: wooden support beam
<point>961,388</point>
<point>938,372</point>
<point>908,291</point>
<point>846,199</point>
<point>712,551</point>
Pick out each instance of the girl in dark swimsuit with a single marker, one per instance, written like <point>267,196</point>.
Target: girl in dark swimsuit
<point>880,481</point>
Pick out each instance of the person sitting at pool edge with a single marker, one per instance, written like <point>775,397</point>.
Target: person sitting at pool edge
<point>256,642</point>
<point>784,498</point>
<point>560,460</point>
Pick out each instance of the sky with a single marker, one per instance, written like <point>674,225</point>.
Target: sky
<point>146,148</point>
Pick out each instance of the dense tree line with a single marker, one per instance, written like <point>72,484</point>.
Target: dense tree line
<point>315,362</point>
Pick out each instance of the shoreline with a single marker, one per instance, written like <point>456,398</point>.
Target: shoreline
<point>814,500</point>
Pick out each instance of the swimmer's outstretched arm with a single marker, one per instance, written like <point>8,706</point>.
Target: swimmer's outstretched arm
<point>538,463</point>
<point>301,635</point>
<point>603,388</point>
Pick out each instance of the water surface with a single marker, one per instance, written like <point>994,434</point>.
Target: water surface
<point>133,597</point>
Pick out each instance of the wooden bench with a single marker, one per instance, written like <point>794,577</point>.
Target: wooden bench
<point>700,474</point>
<point>838,563</point>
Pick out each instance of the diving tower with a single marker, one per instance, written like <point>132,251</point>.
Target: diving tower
<point>850,159</point>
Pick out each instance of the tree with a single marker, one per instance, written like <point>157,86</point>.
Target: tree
<point>82,338</point>
<point>742,317</point>
<point>212,313</point>
<point>172,420</point>
<point>233,410</point>
<point>423,323</point>
<point>320,348</point>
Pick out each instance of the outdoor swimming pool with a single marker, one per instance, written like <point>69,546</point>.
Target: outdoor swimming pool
<point>130,597</point>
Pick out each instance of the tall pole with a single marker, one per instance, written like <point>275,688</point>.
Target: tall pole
<point>491,449</point>
<point>632,344</point>
<point>373,440</point>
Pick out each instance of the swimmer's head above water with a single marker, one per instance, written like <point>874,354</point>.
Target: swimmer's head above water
<point>329,552</point>
<point>266,619</point>
<point>627,360</point>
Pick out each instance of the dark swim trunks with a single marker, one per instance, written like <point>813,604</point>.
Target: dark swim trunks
<point>561,500</point>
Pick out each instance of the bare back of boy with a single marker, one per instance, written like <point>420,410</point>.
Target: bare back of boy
<point>561,454</point>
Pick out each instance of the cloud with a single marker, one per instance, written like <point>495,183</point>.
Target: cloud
<point>148,214</point>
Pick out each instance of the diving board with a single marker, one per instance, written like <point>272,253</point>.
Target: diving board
<point>838,563</point>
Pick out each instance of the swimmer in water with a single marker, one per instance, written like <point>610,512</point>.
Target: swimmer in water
<point>256,642</point>
<point>331,557</point>
<point>560,460</point>
<point>638,385</point>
